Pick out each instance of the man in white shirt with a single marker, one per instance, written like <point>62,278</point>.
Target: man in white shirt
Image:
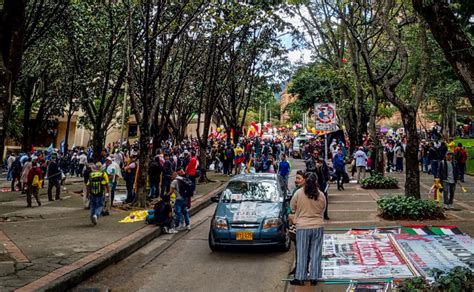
<point>361,163</point>
<point>82,163</point>
<point>113,171</point>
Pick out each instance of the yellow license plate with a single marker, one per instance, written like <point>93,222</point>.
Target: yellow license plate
<point>244,236</point>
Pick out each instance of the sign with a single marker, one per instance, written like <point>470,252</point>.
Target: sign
<point>325,117</point>
<point>247,212</point>
<point>443,252</point>
<point>366,256</point>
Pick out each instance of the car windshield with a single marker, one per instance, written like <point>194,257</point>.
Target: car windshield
<point>262,191</point>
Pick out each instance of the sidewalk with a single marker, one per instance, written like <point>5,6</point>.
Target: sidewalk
<point>356,207</point>
<point>50,242</point>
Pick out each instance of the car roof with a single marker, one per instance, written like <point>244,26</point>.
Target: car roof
<point>253,177</point>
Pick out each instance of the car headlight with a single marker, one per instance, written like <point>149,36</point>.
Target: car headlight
<point>272,222</point>
<point>220,223</point>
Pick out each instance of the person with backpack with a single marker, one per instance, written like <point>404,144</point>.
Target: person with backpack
<point>33,183</point>
<point>97,187</point>
<point>182,187</point>
<point>460,155</point>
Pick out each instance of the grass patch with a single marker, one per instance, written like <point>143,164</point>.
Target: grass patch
<point>469,146</point>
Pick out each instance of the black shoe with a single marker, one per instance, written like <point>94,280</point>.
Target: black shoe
<point>314,282</point>
<point>297,282</point>
<point>326,218</point>
<point>342,187</point>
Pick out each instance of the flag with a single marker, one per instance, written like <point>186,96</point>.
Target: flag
<point>445,230</point>
<point>50,148</point>
<point>62,146</point>
<point>419,229</point>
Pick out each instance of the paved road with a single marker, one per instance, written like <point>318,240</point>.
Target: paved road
<point>184,262</point>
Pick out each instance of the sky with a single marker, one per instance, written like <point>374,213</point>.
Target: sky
<point>301,55</point>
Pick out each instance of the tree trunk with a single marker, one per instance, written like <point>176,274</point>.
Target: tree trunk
<point>452,39</point>
<point>98,140</point>
<point>144,161</point>
<point>26,141</point>
<point>68,126</point>
<point>412,169</point>
<point>203,148</point>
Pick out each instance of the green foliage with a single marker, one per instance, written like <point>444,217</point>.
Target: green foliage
<point>457,279</point>
<point>408,208</point>
<point>413,285</point>
<point>378,181</point>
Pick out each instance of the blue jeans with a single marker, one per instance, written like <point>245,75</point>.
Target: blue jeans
<point>165,185</point>
<point>426,163</point>
<point>113,186</point>
<point>96,204</point>
<point>10,174</point>
<point>154,190</point>
<point>434,167</point>
<point>181,208</point>
<point>192,178</point>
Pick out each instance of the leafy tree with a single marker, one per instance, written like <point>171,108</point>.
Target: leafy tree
<point>450,35</point>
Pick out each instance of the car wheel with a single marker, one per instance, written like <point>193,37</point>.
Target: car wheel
<point>212,245</point>
<point>287,244</point>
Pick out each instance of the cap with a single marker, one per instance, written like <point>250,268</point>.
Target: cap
<point>109,158</point>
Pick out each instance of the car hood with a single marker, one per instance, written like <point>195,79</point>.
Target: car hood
<point>248,211</point>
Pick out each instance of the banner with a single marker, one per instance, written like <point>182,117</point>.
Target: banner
<point>443,252</point>
<point>366,256</point>
<point>325,117</point>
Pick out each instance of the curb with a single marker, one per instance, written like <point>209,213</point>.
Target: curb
<point>67,277</point>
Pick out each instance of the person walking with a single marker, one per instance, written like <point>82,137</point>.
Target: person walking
<point>33,183</point>
<point>178,186</point>
<point>284,169</point>
<point>299,183</point>
<point>339,165</point>
<point>54,178</point>
<point>10,161</point>
<point>308,206</point>
<point>460,155</point>
<point>448,174</point>
<point>399,153</point>
<point>24,175</point>
<point>112,169</point>
<point>16,173</point>
<point>361,163</point>
<point>96,186</point>
<point>82,163</point>
<point>433,157</point>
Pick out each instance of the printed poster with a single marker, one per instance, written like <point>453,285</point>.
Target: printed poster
<point>247,212</point>
<point>363,256</point>
<point>443,252</point>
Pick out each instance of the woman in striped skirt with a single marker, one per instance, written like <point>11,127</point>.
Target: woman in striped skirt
<point>308,206</point>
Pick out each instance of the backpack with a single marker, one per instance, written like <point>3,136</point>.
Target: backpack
<point>95,183</point>
<point>460,156</point>
<point>36,181</point>
<point>16,166</point>
<point>185,187</point>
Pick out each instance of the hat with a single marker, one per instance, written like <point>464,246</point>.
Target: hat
<point>449,153</point>
<point>186,152</point>
<point>109,158</point>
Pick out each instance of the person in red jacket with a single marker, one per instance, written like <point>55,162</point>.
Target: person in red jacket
<point>33,184</point>
<point>191,169</point>
<point>460,155</point>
